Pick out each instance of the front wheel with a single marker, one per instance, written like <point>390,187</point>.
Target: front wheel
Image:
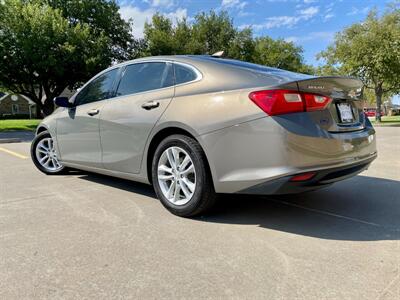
<point>181,177</point>
<point>44,154</point>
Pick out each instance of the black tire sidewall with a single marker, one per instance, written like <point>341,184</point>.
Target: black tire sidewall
<point>35,141</point>
<point>202,178</point>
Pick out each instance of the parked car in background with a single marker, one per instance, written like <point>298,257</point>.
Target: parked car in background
<point>195,126</point>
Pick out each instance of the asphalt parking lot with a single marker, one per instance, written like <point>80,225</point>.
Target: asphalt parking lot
<point>89,236</point>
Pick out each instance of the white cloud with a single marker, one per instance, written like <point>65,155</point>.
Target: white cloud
<point>309,12</point>
<point>161,3</point>
<point>318,35</point>
<point>358,11</point>
<point>178,14</point>
<point>285,21</point>
<point>229,3</point>
<point>328,17</point>
<point>309,1</point>
<point>233,4</point>
<point>140,17</point>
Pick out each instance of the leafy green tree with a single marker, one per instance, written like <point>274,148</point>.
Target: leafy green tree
<point>279,54</point>
<point>160,36</point>
<point>242,46</point>
<point>42,51</point>
<point>370,50</point>
<point>103,17</point>
<point>212,32</point>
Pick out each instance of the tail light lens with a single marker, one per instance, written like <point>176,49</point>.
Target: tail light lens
<point>277,102</point>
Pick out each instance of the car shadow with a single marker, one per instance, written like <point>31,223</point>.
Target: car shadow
<point>359,209</point>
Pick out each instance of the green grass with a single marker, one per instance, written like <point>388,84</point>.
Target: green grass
<point>386,120</point>
<point>8,125</point>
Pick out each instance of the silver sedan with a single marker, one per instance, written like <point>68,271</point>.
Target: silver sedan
<point>196,126</point>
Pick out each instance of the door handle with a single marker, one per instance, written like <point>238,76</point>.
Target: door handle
<point>150,105</point>
<point>93,112</point>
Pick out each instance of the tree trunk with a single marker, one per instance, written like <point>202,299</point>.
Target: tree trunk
<point>378,96</point>
<point>48,106</point>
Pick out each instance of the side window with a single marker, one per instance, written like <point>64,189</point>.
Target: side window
<point>143,77</point>
<point>184,74</point>
<point>98,89</point>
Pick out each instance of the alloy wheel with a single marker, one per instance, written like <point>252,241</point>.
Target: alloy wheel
<point>176,175</point>
<point>46,155</point>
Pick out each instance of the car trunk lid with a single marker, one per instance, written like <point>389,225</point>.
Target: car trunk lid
<point>344,113</point>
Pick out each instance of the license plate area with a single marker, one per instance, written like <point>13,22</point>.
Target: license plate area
<point>345,112</point>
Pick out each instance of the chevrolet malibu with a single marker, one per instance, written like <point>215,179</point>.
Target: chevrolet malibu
<point>196,126</point>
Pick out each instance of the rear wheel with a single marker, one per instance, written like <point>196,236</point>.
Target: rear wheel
<point>181,177</point>
<point>44,154</point>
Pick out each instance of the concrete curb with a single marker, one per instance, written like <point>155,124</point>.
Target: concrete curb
<point>10,140</point>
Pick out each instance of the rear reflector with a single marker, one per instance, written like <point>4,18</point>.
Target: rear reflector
<point>277,102</point>
<point>303,177</point>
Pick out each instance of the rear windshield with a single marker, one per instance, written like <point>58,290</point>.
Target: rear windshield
<point>257,68</point>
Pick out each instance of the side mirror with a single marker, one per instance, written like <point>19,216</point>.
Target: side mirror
<point>62,102</point>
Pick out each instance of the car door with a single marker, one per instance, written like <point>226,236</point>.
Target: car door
<point>78,134</point>
<point>142,95</point>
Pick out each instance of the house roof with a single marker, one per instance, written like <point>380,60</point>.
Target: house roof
<point>2,97</point>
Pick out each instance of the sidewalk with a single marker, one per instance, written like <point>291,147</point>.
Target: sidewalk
<point>16,136</point>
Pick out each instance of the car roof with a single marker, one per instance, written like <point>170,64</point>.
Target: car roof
<point>199,60</point>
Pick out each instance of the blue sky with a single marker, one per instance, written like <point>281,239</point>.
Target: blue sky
<point>309,23</point>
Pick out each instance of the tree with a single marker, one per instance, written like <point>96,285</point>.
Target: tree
<point>160,37</point>
<point>242,46</point>
<point>279,54</point>
<point>370,50</point>
<point>212,32</point>
<point>103,17</point>
<point>44,50</point>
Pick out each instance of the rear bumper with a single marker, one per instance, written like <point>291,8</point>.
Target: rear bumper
<point>323,178</point>
<point>250,154</point>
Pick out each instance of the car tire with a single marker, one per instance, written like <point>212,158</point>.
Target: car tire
<point>38,151</point>
<point>198,176</point>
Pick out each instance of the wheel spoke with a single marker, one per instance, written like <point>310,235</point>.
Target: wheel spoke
<point>171,159</point>
<point>177,192</point>
<point>189,184</point>
<point>44,158</point>
<point>189,169</point>
<point>165,177</point>
<point>184,163</point>
<point>171,189</point>
<point>165,169</point>
<point>46,164</point>
<point>175,154</point>
<point>185,190</point>
<point>42,146</point>
<point>42,151</point>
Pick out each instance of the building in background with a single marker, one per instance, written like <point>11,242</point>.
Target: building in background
<point>14,106</point>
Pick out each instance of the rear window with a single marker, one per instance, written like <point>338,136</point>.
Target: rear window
<point>257,68</point>
<point>184,74</point>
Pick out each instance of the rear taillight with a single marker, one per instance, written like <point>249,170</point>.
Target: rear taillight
<point>277,102</point>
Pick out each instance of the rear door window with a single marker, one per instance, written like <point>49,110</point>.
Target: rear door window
<point>143,77</point>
